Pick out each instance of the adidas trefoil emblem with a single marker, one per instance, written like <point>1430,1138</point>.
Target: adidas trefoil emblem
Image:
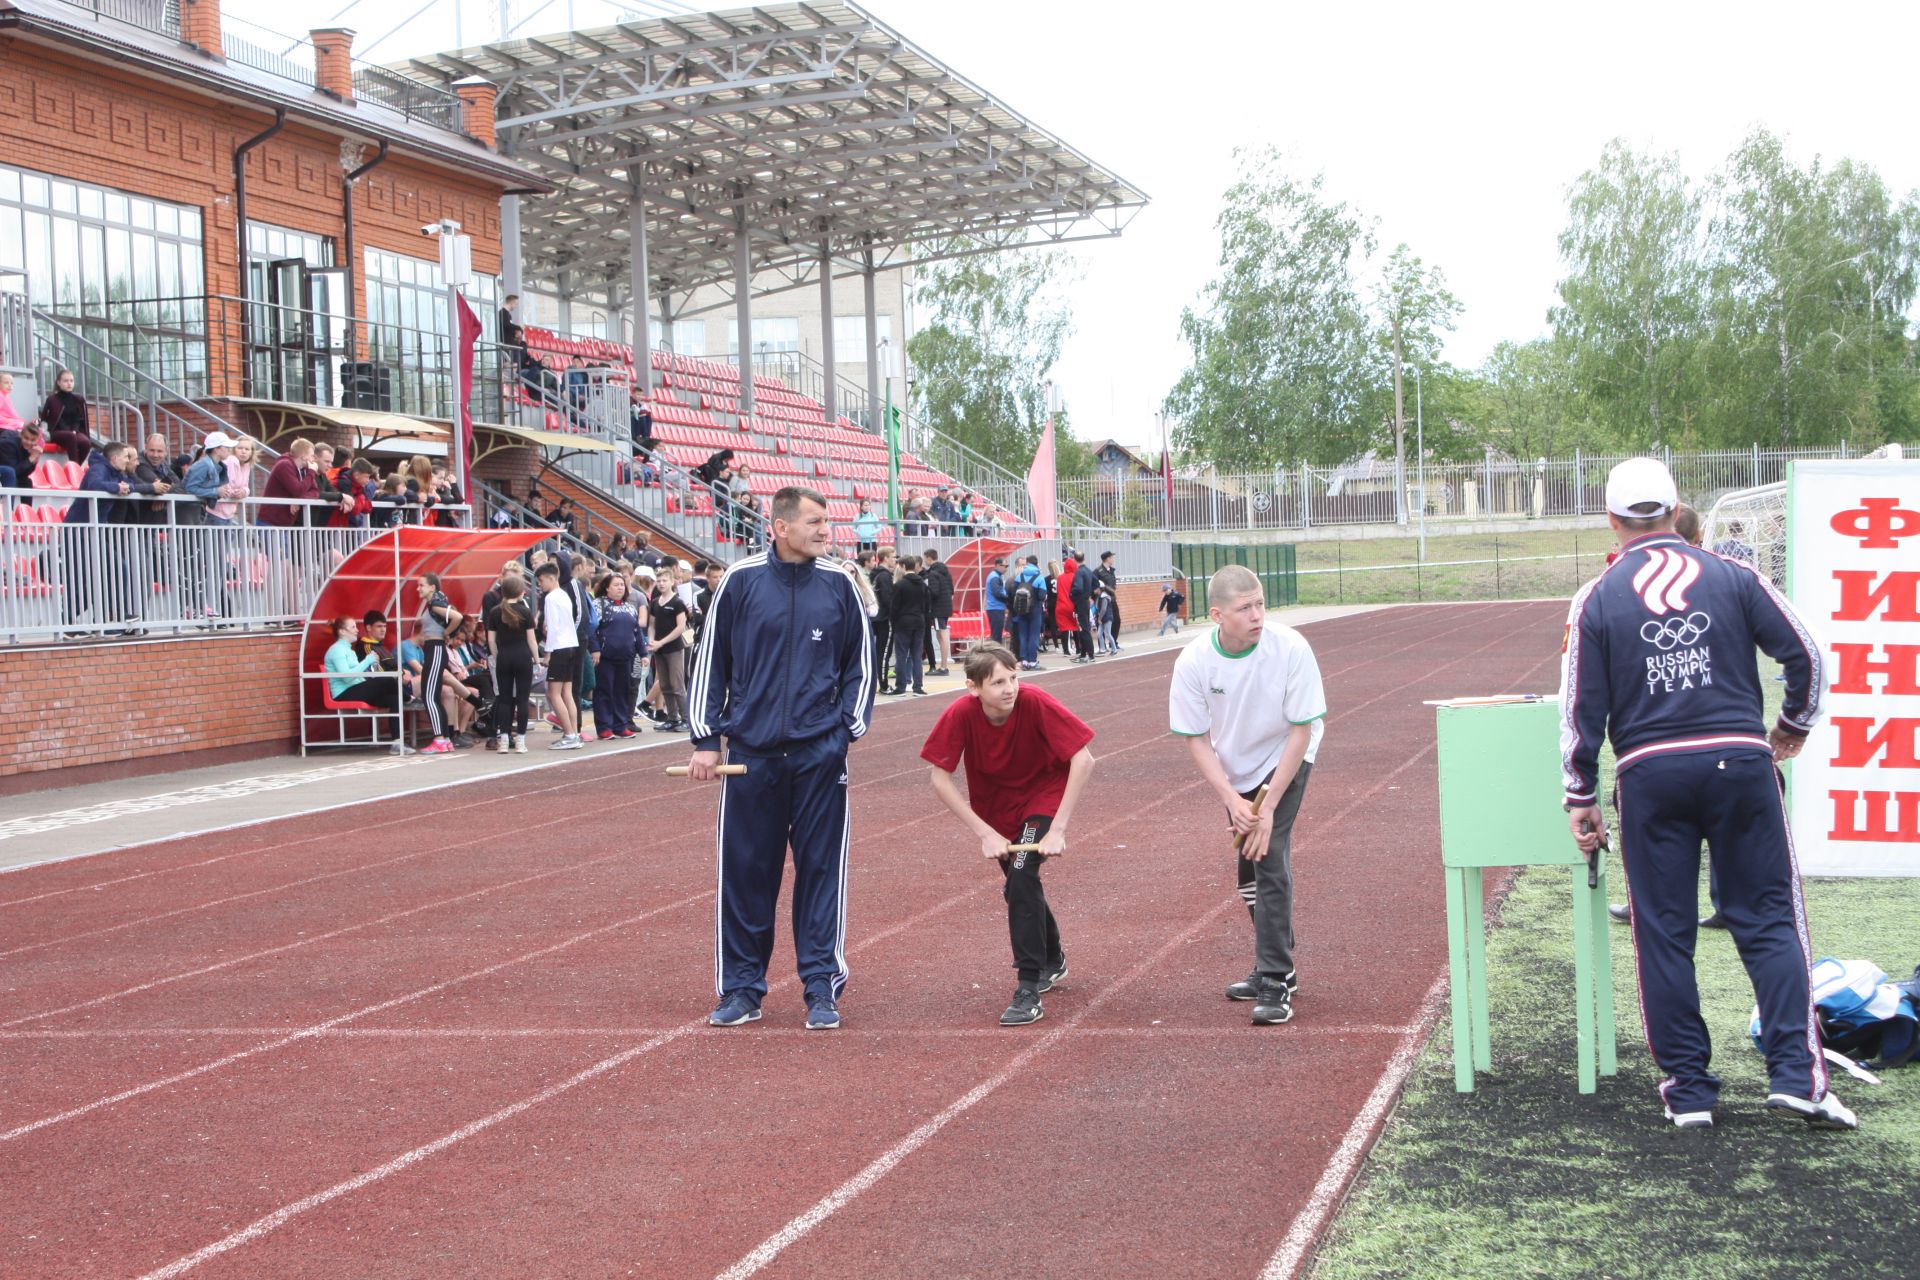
<point>817,635</point>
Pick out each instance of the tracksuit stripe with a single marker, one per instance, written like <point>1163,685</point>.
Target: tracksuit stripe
<point>1819,1077</point>
<point>1693,744</point>
<point>697,693</point>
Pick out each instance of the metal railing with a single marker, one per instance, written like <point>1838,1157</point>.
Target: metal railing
<point>412,98</point>
<point>178,572</point>
<point>1364,493</point>
<point>16,325</point>
<point>162,16</point>
<point>177,349</point>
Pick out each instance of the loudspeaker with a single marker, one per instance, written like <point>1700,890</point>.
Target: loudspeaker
<point>365,385</point>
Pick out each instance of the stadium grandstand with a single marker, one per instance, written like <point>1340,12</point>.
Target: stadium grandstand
<point>261,262</point>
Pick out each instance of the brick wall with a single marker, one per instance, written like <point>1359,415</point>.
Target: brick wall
<point>1140,605</point>
<point>93,712</point>
<point>103,124</point>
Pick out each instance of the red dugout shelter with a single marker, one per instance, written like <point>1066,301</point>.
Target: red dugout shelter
<point>378,575</point>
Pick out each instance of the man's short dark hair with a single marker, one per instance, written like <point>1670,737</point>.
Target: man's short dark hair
<point>1105,556</point>
<point>548,570</point>
<point>1686,523</point>
<point>700,566</point>
<point>787,500</point>
<point>1034,561</point>
<point>931,555</point>
<point>374,618</point>
<point>1656,518</point>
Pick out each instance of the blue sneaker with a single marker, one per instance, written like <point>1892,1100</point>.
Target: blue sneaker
<point>822,1013</point>
<point>734,1008</point>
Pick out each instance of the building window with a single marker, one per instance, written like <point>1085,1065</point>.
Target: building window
<point>106,262</point>
<point>268,243</point>
<point>850,343</point>
<point>689,337</point>
<point>410,333</point>
<point>770,335</point>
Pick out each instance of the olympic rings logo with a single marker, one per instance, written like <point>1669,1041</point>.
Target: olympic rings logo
<point>1675,632</point>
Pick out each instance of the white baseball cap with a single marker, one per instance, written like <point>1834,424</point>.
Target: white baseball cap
<point>1638,481</point>
<point>217,440</point>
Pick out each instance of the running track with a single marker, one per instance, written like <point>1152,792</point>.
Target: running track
<point>459,1033</point>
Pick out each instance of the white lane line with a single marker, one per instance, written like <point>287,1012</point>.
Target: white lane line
<point>281,1216</point>
<point>887,1161</point>
<point>321,1028</point>
<point>1336,1177</point>
<point>1297,1030</point>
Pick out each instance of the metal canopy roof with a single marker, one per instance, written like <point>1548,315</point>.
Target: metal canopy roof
<point>812,124</point>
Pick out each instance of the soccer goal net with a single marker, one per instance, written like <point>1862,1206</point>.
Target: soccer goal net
<point>1751,525</point>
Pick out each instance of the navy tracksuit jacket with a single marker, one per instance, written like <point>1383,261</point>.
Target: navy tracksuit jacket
<point>785,672</point>
<point>1659,658</point>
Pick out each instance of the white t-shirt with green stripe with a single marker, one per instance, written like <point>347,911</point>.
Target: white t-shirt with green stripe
<point>1248,701</point>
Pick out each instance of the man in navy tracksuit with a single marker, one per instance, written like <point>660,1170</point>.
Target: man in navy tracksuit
<point>1659,658</point>
<point>786,674</point>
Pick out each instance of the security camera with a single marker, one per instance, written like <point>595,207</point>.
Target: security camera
<point>431,229</point>
<point>444,227</point>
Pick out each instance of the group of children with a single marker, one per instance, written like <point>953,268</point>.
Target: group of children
<point>1249,700</point>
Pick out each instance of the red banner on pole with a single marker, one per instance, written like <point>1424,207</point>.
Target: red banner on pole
<point>1040,481</point>
<point>469,326</point>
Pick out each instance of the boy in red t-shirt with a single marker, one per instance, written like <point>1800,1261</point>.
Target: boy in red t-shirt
<point>1027,763</point>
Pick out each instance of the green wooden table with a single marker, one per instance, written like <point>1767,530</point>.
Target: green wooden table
<point>1500,789</point>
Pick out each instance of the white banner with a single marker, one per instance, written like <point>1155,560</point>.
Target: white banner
<point>1853,531</point>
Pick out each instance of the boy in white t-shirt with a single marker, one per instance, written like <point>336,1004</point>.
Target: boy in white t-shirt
<point>1249,702</point>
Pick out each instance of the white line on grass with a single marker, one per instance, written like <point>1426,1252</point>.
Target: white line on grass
<point>1334,1179</point>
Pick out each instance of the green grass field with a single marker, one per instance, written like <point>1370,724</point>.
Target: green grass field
<point>1528,1178</point>
<point>1343,572</point>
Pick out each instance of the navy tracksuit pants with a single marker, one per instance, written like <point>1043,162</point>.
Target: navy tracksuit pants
<point>797,796</point>
<point>613,693</point>
<point>1668,805</point>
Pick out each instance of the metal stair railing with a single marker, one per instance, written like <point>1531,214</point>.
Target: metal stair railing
<point>671,502</point>
<point>157,404</point>
<point>972,470</point>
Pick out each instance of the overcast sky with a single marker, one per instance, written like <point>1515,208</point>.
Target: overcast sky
<point>1459,127</point>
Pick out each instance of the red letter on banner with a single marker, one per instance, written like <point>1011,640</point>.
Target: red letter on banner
<point>1878,806</point>
<point>1899,591</point>
<point>1901,670</point>
<point>1899,738</point>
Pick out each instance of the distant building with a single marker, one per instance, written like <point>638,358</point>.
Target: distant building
<point>1114,461</point>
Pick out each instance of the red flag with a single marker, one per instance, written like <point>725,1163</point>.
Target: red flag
<point>1040,481</point>
<point>469,325</point>
<point>1166,468</point>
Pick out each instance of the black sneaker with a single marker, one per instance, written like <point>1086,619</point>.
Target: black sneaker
<point>1620,912</point>
<point>1273,1005</point>
<point>1248,988</point>
<point>1053,974</point>
<point>1024,1009</point>
<point>1714,921</point>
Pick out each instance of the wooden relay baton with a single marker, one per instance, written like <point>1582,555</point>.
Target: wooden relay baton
<point>724,770</point>
<point>1259,798</point>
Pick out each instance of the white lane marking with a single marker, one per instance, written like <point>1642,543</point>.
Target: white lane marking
<point>1298,1029</point>
<point>320,1028</point>
<point>887,1161</point>
<point>238,788</point>
<point>281,1216</point>
<point>1334,1179</point>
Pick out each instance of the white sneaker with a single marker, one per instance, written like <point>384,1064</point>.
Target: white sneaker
<point>519,745</point>
<point>567,742</point>
<point>401,749</point>
<point>1828,1113</point>
<point>500,743</point>
<point>1690,1119</point>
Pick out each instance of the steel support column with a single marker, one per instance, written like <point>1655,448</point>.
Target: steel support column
<point>743,312</point>
<point>642,336</point>
<point>873,350</point>
<point>830,389</point>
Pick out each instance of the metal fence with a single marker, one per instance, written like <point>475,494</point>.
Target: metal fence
<point>1366,493</point>
<point>1272,562</point>
<point>182,574</point>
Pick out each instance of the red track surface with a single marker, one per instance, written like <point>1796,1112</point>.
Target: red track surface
<point>457,1034</point>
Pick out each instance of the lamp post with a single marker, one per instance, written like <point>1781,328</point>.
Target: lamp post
<point>1420,458</point>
